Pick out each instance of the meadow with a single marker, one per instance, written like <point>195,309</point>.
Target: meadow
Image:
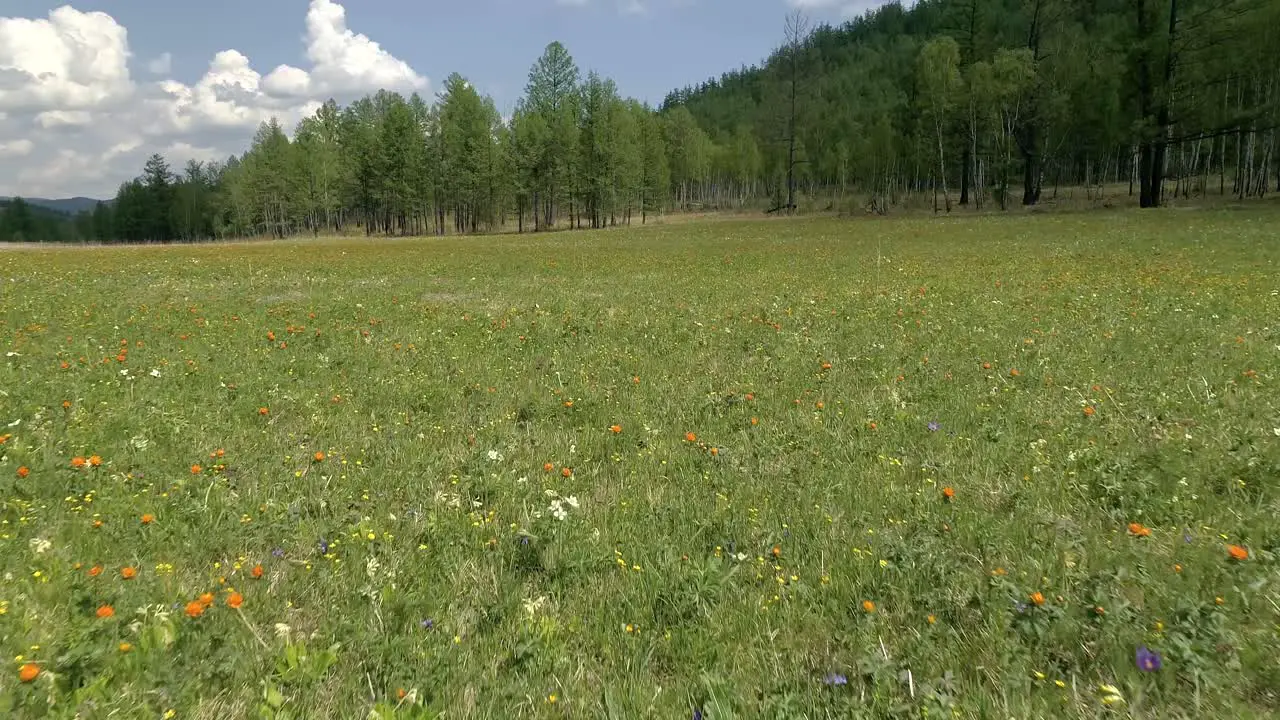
<point>1019,466</point>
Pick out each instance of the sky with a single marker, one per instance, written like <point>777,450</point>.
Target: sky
<point>90,89</point>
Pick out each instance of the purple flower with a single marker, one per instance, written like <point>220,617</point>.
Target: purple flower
<point>426,623</point>
<point>1186,536</point>
<point>934,426</point>
<point>697,714</point>
<point>324,546</point>
<point>835,679</point>
<point>277,552</point>
<point>1148,660</point>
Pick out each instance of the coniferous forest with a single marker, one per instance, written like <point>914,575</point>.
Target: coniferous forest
<point>950,104</point>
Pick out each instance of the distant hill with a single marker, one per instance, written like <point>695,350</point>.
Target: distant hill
<point>66,206</point>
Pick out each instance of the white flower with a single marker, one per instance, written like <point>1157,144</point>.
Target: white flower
<point>573,501</point>
<point>524,479</point>
<point>155,372</point>
<point>558,510</point>
<point>495,456</point>
<point>12,354</point>
<point>39,545</point>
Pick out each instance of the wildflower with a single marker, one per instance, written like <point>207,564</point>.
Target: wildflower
<point>95,571</point>
<point>690,437</point>
<point>318,457</point>
<point>195,469</point>
<point>932,619</point>
<point>615,429</point>
<point>128,573</point>
<point>868,606</point>
<point>426,623</point>
<point>1111,695</point>
<point>256,572</point>
<point>125,647</point>
<point>105,612</point>
<point>1099,610</point>
<point>1037,598</point>
<point>1237,553</point>
<point>1089,411</point>
<point>1148,660</point>
<point>77,462</point>
<point>28,672</point>
<point>235,600</point>
<point>23,471</point>
<point>194,609</point>
<point>1139,530</point>
<point>206,599</point>
<point>948,493</point>
<point>148,518</point>
<point>835,679</point>
<point>95,460</point>
<point>548,467</point>
<point>1014,372</point>
<point>566,472</point>
<point>934,426</point>
<point>263,411</point>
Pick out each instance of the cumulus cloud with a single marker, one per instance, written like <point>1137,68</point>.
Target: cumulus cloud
<point>69,61</point>
<point>77,123</point>
<point>343,61</point>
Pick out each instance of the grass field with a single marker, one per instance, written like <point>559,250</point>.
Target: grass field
<point>984,468</point>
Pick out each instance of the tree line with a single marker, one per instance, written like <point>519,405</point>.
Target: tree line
<point>997,100</point>
<point>979,103</point>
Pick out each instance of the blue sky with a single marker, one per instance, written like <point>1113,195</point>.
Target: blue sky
<point>133,77</point>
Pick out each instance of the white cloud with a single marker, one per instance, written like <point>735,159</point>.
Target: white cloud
<point>70,61</point>
<point>342,61</point>
<point>76,123</point>
<point>16,148</point>
<point>847,8</point>
<point>161,65</point>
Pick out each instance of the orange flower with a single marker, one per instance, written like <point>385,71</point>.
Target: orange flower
<point>986,366</point>
<point>568,403</point>
<point>77,462</point>
<point>1237,553</point>
<point>819,405</point>
<point>1037,598</point>
<point>195,469</point>
<point>777,551</point>
<point>1139,530</point>
<point>271,336</point>
<point>128,573</point>
<point>755,421</point>
<point>194,609</point>
<point>263,411</point>
<point>690,437</point>
<point>235,600</point>
<point>125,647</point>
<point>548,467</point>
<point>95,460</point>
<point>105,612</point>
<point>566,472</point>
<point>95,571</point>
<point>23,471</point>
<point>1014,373</point>
<point>715,451</point>
<point>750,397</point>
<point>256,572</point>
<point>868,606</point>
<point>948,493</point>
<point>318,457</point>
<point>615,429</point>
<point>206,599</point>
<point>28,672</point>
<point>97,524</point>
<point>1089,411</point>
<point>826,366</point>
<point>148,518</point>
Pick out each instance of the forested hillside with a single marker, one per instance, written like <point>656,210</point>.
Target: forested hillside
<point>22,221</point>
<point>979,103</point>
<point>978,99</point>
